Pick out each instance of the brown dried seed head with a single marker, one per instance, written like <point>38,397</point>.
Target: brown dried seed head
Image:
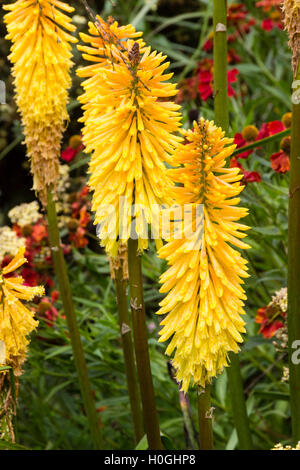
<point>285,145</point>
<point>287,120</point>
<point>249,133</point>
<point>291,11</point>
<point>134,54</point>
<point>110,20</point>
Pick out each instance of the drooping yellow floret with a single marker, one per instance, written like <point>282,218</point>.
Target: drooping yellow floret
<point>129,126</point>
<point>205,296</point>
<point>41,54</point>
<point>102,36</point>
<point>16,320</point>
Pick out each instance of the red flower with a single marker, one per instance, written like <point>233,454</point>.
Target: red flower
<point>236,14</point>
<point>205,86</point>
<point>75,146</point>
<point>48,311</point>
<point>39,232</point>
<point>208,45</point>
<point>270,128</point>
<point>235,163</point>
<point>78,238</point>
<point>263,132</point>
<point>84,217</point>
<point>85,191</point>
<point>30,276</point>
<point>246,27</point>
<point>275,126</point>
<point>268,4</point>
<point>232,57</point>
<point>68,154</point>
<point>6,260</point>
<point>251,177</point>
<point>232,78</point>
<point>66,249</point>
<point>240,142</point>
<point>267,24</point>
<point>54,296</point>
<point>280,162</point>
<point>268,327</point>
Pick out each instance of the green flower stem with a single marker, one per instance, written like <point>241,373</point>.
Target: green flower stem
<point>66,295</point>
<point>220,64</point>
<point>222,119</point>
<point>239,409</point>
<point>294,270</point>
<point>130,368</point>
<point>7,405</point>
<point>11,146</point>
<point>189,427</point>
<point>188,419</point>
<point>141,346</point>
<point>259,143</point>
<point>205,419</point>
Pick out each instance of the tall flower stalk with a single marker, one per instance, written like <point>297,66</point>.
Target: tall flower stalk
<point>66,295</point>
<point>41,56</point>
<point>291,11</point>
<point>119,272</point>
<point>141,345</point>
<point>204,300</point>
<point>129,126</point>
<point>17,322</point>
<point>222,119</point>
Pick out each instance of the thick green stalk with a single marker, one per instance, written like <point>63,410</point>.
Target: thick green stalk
<point>130,369</point>
<point>205,419</point>
<point>66,296</point>
<point>222,119</point>
<point>141,346</point>
<point>7,408</point>
<point>260,142</point>
<point>294,272</point>
<point>239,410</point>
<point>220,64</point>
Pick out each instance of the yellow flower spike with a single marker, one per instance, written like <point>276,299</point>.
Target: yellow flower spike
<point>204,303</point>
<point>41,57</point>
<point>16,320</point>
<point>130,127</point>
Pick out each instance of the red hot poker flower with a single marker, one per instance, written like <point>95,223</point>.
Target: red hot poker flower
<point>268,328</point>
<point>280,162</point>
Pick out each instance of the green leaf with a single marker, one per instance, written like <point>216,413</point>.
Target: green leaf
<point>273,395</point>
<point>254,342</point>
<point>167,442</point>
<point>221,388</point>
<point>143,444</point>
<point>6,445</point>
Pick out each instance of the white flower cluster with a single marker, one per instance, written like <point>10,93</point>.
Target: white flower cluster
<point>9,242</point>
<point>280,299</point>
<point>64,180</point>
<point>281,447</point>
<point>63,207</point>
<point>25,214</point>
<point>78,19</point>
<point>286,375</point>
